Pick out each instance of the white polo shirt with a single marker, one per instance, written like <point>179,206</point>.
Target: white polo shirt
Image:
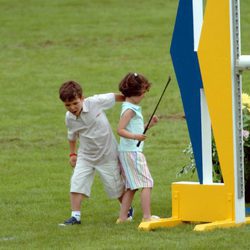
<point>97,141</point>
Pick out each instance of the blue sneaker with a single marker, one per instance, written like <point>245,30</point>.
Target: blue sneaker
<point>130,213</point>
<point>71,221</point>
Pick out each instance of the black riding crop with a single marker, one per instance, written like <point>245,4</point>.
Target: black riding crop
<point>147,126</point>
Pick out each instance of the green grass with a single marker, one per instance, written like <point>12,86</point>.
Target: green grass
<point>44,43</point>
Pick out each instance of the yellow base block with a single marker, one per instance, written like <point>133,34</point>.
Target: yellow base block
<point>210,206</point>
<point>194,202</point>
<point>217,224</point>
<point>247,220</point>
<point>169,222</point>
<point>220,224</point>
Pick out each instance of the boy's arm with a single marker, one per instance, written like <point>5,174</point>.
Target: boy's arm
<point>72,155</point>
<point>119,98</point>
<point>72,147</point>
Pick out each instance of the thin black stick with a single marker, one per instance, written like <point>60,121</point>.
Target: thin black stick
<point>146,128</point>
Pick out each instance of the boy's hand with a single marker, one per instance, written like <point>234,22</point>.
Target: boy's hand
<point>72,160</point>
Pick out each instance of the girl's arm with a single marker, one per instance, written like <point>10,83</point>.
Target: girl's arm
<point>124,120</point>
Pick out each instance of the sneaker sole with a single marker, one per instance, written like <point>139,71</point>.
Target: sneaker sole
<point>65,225</point>
<point>61,225</point>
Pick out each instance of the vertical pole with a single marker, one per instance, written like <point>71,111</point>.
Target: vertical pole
<point>237,113</point>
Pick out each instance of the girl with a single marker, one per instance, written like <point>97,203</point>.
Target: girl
<point>130,129</point>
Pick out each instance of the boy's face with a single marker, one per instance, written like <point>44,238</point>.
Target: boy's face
<point>74,106</point>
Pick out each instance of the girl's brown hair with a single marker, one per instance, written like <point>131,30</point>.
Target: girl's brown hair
<point>134,84</point>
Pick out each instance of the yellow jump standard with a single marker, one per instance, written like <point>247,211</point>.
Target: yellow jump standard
<point>208,64</point>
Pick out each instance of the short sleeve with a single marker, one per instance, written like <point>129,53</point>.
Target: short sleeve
<point>105,101</point>
<point>72,136</point>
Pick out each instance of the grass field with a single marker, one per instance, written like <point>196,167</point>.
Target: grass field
<point>44,43</point>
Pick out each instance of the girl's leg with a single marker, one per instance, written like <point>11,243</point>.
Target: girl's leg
<point>126,203</point>
<point>145,202</point>
<point>120,199</point>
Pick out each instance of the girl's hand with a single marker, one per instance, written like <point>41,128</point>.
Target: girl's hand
<point>140,137</point>
<point>72,161</point>
<point>154,121</point>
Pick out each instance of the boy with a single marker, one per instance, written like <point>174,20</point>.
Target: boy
<point>86,121</point>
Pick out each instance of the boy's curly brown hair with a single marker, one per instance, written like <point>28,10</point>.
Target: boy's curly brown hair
<point>70,90</point>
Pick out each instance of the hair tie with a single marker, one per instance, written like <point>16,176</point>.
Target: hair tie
<point>135,74</point>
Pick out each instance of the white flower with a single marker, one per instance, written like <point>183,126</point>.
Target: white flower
<point>245,134</point>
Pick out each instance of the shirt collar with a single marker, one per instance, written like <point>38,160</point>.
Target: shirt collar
<point>85,108</point>
<point>135,106</point>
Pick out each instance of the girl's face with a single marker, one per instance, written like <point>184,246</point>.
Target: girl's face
<point>74,106</point>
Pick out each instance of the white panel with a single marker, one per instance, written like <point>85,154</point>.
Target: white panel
<point>207,165</point>
<point>197,21</point>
